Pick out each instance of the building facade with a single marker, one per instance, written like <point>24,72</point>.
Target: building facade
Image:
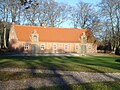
<point>42,39</point>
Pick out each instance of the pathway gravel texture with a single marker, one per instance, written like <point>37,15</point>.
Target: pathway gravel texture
<point>69,77</point>
<point>57,54</point>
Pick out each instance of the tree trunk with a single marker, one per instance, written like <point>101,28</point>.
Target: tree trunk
<point>4,46</point>
<point>0,41</point>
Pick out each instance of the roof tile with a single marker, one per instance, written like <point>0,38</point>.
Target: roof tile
<point>49,34</point>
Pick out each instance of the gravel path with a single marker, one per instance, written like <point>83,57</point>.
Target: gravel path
<point>58,54</point>
<point>69,77</point>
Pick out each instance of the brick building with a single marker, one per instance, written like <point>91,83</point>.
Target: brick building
<point>42,39</point>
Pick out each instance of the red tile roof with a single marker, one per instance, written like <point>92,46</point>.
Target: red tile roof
<point>49,34</point>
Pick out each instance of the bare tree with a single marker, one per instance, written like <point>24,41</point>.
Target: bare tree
<point>4,8</point>
<point>14,10</point>
<point>111,14</point>
<point>9,10</point>
<point>31,12</point>
<point>53,13</point>
<point>0,34</point>
<point>81,15</point>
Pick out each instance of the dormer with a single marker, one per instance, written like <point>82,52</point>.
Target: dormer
<point>34,37</point>
<point>83,38</point>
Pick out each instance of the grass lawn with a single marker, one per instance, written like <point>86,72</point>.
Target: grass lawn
<point>6,76</point>
<point>83,64</point>
<point>88,86</point>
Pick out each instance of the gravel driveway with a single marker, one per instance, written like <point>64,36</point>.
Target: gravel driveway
<point>69,77</point>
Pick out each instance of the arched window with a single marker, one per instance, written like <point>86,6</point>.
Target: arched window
<point>35,38</point>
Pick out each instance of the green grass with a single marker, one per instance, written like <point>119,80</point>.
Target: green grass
<point>6,76</point>
<point>87,86</point>
<point>83,64</point>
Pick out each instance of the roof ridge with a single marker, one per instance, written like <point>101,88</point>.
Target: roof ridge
<point>27,25</point>
<point>49,27</point>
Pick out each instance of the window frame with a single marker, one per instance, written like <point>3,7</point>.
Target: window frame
<point>35,38</point>
<point>54,47</point>
<point>76,47</point>
<point>26,46</point>
<point>65,47</point>
<point>41,48</point>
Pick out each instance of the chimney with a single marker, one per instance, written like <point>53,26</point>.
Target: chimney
<point>41,24</point>
<point>13,23</point>
<point>44,24</point>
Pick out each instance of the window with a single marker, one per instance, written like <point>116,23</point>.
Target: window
<point>54,46</point>
<point>26,46</point>
<point>66,46</point>
<point>77,47</point>
<point>42,47</point>
<point>89,47</point>
<point>35,38</point>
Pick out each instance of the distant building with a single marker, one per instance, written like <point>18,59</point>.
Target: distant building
<point>42,39</point>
